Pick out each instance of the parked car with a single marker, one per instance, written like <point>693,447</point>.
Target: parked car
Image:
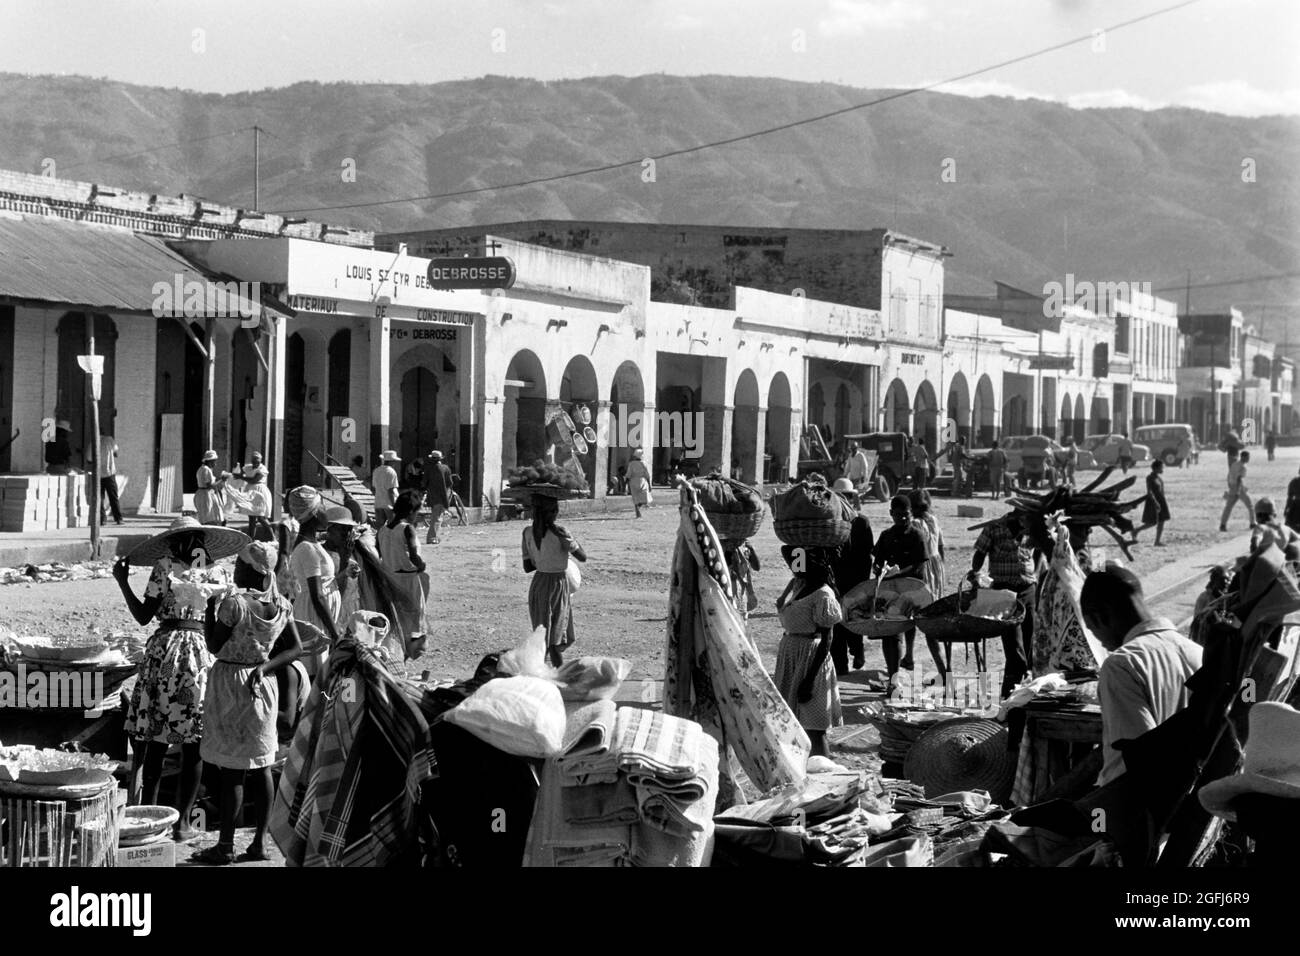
<point>1105,449</point>
<point>1164,441</point>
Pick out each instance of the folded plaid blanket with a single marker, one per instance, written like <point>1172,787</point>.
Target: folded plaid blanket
<point>660,746</point>
<point>680,808</point>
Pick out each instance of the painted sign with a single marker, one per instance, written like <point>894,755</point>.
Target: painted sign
<point>488,272</point>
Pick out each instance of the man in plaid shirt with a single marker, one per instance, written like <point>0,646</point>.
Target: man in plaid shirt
<point>1011,565</point>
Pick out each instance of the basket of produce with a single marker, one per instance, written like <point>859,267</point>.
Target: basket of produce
<point>811,515</point>
<point>735,510</point>
<point>885,607</point>
<point>970,615</point>
<point>546,478</point>
<point>55,769</point>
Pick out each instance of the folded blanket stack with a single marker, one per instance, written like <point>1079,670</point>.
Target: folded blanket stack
<point>631,787</point>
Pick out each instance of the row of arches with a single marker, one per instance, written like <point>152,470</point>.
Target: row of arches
<point>751,463</point>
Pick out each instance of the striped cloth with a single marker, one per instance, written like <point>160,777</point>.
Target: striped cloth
<point>350,787</point>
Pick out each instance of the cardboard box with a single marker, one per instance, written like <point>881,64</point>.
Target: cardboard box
<point>159,853</point>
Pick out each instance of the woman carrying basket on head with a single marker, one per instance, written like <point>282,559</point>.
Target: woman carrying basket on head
<point>167,704</point>
<point>548,555</point>
<point>805,673</point>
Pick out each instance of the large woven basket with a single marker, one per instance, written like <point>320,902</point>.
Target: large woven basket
<point>812,533</point>
<point>898,735</point>
<point>736,527</point>
<point>944,621</point>
<point>879,626</point>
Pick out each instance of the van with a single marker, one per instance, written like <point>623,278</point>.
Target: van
<point>1164,441</point>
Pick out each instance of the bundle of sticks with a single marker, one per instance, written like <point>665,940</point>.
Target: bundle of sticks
<point>1081,510</point>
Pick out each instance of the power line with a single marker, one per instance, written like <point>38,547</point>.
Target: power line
<point>1248,280</point>
<point>154,149</point>
<point>897,95</point>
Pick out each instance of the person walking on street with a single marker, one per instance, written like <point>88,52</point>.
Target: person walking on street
<point>438,477</point>
<point>997,468</point>
<point>920,459</point>
<point>957,455</point>
<point>1231,444</point>
<point>258,492</point>
<point>1270,443</point>
<point>1125,453</point>
<point>384,483</point>
<point>1071,459</point>
<point>856,469</point>
<point>1236,491</point>
<point>1184,451</point>
<point>1156,510</point>
<point>108,478</point>
<point>851,566</point>
<point>1011,566</point>
<point>638,482</point>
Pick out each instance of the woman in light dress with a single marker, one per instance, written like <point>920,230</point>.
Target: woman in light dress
<point>548,554</point>
<point>805,672</point>
<point>209,499</point>
<point>313,574</point>
<point>399,549</point>
<point>638,482</point>
<point>242,701</point>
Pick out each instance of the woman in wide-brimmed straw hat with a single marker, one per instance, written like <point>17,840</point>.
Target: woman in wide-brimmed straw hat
<point>242,699</point>
<point>209,500</point>
<point>167,704</point>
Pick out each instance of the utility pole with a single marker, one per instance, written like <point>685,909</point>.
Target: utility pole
<point>257,166</point>
<point>1187,296</point>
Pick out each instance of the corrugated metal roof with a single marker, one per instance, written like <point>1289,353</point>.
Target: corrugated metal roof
<point>95,266</point>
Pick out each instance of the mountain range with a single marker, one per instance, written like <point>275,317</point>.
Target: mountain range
<point>1024,191</point>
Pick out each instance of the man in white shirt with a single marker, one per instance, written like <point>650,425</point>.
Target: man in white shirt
<point>857,467</point>
<point>108,478</point>
<point>1143,681</point>
<point>384,483</point>
<point>1236,491</point>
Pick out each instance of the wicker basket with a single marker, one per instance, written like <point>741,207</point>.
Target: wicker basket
<point>898,735</point>
<point>813,533</point>
<point>736,527</point>
<point>944,621</point>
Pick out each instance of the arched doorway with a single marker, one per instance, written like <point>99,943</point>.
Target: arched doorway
<point>1268,420</point>
<point>1099,417</point>
<point>628,428</point>
<point>984,412</point>
<point>843,404</point>
<point>1162,411</point>
<point>579,392</point>
<point>959,407</point>
<point>419,434</point>
<point>1080,422</point>
<point>523,418</point>
<point>337,401</point>
<point>178,399</point>
<point>244,426</point>
<point>1014,415</point>
<point>926,416</point>
<point>898,410</point>
<point>73,398</point>
<point>744,428</point>
<point>778,437</point>
<point>1066,427</point>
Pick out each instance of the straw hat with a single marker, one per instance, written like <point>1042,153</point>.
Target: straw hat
<point>435,455</point>
<point>64,424</point>
<point>843,486</point>
<point>217,542</point>
<point>390,455</point>
<point>968,753</point>
<point>209,455</point>
<point>339,515</point>
<point>637,452</point>
<point>1272,765</point>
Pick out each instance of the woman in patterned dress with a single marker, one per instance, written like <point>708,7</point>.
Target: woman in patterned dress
<point>805,673</point>
<point>547,553</point>
<point>167,703</point>
<point>242,699</point>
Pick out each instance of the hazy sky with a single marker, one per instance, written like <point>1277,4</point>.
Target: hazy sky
<point>1233,56</point>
